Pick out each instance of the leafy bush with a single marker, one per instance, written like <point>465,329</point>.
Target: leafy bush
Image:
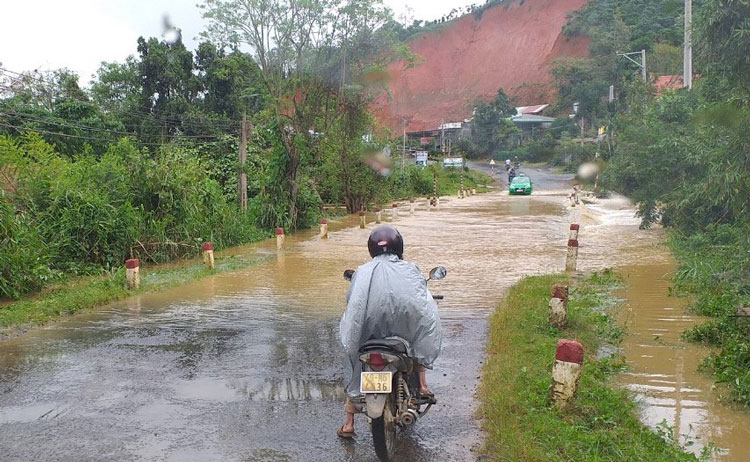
<point>84,215</point>
<point>24,258</point>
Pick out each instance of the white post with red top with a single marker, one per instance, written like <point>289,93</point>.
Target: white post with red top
<point>323,228</point>
<point>207,252</point>
<point>570,261</point>
<point>132,276</point>
<point>574,228</point>
<point>566,373</point>
<point>558,305</point>
<point>279,238</point>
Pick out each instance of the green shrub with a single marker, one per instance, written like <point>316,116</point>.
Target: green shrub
<point>24,258</point>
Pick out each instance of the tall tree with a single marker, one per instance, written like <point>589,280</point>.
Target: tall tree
<point>294,43</point>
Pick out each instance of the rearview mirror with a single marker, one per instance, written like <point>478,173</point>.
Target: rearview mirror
<point>438,272</point>
<point>348,274</point>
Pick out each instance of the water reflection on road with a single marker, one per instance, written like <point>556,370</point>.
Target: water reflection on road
<point>247,365</point>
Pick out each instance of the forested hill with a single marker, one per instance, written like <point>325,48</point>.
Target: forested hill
<point>510,45</point>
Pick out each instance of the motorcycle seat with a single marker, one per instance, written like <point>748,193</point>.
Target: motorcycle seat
<point>393,344</point>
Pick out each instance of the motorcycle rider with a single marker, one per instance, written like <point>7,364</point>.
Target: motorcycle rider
<point>387,297</point>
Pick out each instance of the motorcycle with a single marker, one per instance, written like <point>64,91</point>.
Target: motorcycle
<point>390,385</point>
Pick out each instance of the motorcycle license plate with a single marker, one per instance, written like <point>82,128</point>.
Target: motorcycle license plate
<point>375,382</point>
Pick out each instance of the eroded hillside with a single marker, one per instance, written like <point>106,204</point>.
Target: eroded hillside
<point>511,46</point>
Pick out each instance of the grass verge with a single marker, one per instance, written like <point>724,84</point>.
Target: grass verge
<point>92,291</point>
<point>601,424</point>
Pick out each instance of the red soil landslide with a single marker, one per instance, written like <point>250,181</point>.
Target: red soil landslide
<point>512,46</point>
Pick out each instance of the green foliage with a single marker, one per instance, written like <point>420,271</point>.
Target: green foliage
<point>24,258</point>
<point>84,215</point>
<point>715,265</point>
<point>684,157</point>
<point>602,423</point>
<point>491,130</point>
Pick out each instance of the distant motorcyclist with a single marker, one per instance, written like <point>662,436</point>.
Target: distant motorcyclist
<point>511,174</point>
<point>387,297</point>
<point>516,162</point>
<point>507,164</point>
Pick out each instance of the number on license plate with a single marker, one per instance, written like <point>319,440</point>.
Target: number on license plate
<point>375,382</point>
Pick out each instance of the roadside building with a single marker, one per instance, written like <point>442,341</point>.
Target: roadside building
<point>445,134</point>
<point>531,121</point>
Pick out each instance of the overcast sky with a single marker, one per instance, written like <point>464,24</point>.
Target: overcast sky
<point>80,34</point>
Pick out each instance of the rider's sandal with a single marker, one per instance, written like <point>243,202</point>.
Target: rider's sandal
<point>342,434</point>
<point>428,395</point>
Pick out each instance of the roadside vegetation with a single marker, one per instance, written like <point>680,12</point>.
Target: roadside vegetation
<point>684,157</point>
<point>143,162</point>
<point>602,422</point>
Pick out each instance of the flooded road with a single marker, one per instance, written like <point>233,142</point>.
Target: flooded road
<point>247,365</point>
<point>663,369</point>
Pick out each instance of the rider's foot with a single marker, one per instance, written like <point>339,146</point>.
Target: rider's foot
<point>346,431</point>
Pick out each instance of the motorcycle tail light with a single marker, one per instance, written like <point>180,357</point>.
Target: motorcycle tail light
<point>376,362</point>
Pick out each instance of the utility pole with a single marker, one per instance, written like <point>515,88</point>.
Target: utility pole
<point>442,136</point>
<point>242,159</point>
<point>641,64</point>
<point>403,153</point>
<point>687,59</point>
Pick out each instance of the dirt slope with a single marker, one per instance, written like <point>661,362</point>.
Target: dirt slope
<point>512,46</point>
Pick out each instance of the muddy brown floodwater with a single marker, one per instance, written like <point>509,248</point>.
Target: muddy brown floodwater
<point>247,365</point>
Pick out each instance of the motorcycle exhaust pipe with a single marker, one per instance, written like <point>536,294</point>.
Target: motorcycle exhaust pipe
<point>409,417</point>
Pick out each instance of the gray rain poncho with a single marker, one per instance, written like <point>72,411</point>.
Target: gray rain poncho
<point>388,297</point>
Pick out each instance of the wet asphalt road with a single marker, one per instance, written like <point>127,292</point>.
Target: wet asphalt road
<point>246,366</point>
<point>542,178</point>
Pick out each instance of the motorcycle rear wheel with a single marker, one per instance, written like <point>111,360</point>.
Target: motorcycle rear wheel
<point>384,431</point>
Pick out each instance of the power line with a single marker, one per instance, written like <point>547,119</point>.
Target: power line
<point>67,135</point>
<point>85,127</point>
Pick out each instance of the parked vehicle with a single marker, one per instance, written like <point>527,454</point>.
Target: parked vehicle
<point>390,385</point>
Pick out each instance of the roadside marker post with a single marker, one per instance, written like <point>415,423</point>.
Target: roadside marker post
<point>411,206</point>
<point>132,276</point>
<point>558,305</point>
<point>566,372</point>
<point>362,219</point>
<point>394,212</point>
<point>207,252</point>
<point>323,228</point>
<point>574,228</point>
<point>570,261</point>
<point>378,215</point>
<point>279,238</point>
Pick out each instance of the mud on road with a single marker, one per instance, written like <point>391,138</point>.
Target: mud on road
<point>247,365</point>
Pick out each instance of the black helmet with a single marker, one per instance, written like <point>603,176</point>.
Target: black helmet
<point>385,239</point>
